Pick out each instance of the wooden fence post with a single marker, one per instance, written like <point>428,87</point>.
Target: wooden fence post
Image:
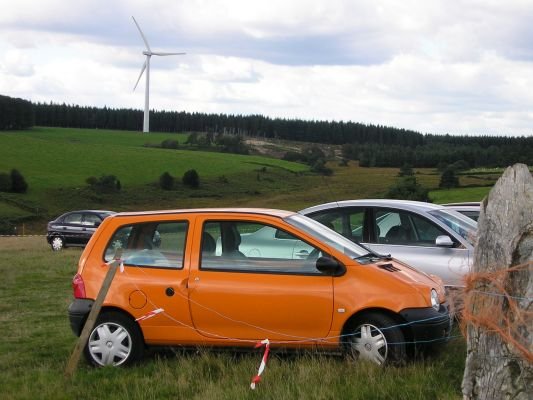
<point>498,308</point>
<point>93,315</point>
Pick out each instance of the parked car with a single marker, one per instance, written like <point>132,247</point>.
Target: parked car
<point>74,228</point>
<point>470,209</point>
<point>432,238</point>
<point>188,292</point>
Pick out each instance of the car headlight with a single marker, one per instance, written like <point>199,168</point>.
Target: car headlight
<point>435,300</point>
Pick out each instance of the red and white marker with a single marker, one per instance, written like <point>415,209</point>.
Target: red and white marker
<point>257,378</point>
<point>150,314</point>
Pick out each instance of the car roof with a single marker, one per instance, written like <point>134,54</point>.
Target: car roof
<point>261,211</point>
<point>464,204</point>
<point>404,204</point>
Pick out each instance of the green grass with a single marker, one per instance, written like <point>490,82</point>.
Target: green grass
<point>459,195</point>
<point>37,342</point>
<point>57,161</point>
<point>58,158</point>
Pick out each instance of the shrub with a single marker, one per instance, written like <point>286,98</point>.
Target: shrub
<point>408,189</point>
<point>166,181</point>
<point>5,182</point>
<point>191,178</point>
<point>18,183</point>
<point>320,167</point>
<point>169,144</point>
<point>105,184</point>
<point>448,179</point>
<point>406,170</point>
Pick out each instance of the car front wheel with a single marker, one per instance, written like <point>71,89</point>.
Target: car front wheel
<point>115,340</point>
<point>377,338</point>
<point>57,243</point>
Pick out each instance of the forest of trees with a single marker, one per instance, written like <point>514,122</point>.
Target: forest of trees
<point>15,113</point>
<point>372,145</point>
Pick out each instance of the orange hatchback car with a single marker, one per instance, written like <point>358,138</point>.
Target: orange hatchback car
<point>232,277</point>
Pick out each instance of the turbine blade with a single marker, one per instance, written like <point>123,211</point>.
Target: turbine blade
<point>166,54</point>
<point>142,35</point>
<point>141,74</point>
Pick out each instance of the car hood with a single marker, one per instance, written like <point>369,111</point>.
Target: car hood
<point>411,275</point>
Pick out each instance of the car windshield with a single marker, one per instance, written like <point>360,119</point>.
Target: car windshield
<point>326,235</point>
<point>461,224</point>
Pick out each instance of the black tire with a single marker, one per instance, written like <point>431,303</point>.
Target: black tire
<point>378,338</point>
<point>115,340</point>
<point>57,243</point>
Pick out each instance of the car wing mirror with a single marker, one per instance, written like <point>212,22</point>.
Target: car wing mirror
<point>329,266</point>
<point>443,241</point>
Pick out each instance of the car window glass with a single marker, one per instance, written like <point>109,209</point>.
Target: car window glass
<point>405,228</point>
<point>426,231</point>
<point>331,219</point>
<point>91,219</point>
<point>356,219</point>
<point>460,223</point>
<point>159,244</point>
<point>74,218</point>
<point>253,247</point>
<point>385,221</point>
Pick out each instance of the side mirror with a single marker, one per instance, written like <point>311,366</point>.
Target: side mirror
<point>443,241</point>
<point>329,266</point>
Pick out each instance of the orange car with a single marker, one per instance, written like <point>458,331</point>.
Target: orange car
<point>232,277</point>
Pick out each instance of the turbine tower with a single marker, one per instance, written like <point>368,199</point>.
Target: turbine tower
<point>146,66</point>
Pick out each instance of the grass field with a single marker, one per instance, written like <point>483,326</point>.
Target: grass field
<point>57,161</point>
<point>36,344</point>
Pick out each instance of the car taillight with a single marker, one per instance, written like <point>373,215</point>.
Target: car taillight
<point>78,286</point>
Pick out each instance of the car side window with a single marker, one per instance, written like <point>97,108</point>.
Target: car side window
<point>74,218</point>
<point>331,219</point>
<point>356,218</point>
<point>91,219</point>
<point>157,245</point>
<point>253,247</point>
<point>404,228</point>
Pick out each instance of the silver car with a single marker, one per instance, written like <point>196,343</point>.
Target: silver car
<point>432,238</point>
<point>470,209</point>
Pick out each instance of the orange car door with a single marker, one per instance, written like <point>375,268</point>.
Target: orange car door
<point>271,296</point>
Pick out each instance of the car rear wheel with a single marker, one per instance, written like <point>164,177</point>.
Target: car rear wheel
<point>377,338</point>
<point>57,243</point>
<point>115,340</point>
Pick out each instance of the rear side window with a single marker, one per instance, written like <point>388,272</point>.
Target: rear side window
<point>157,244</point>
<point>74,218</point>
<point>91,219</point>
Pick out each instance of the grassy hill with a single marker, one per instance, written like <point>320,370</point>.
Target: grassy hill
<point>56,163</point>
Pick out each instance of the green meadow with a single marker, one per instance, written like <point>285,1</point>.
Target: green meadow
<point>56,163</point>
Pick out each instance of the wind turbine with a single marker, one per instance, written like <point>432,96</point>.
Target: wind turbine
<point>146,66</point>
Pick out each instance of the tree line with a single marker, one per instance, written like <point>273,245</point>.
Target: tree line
<point>15,113</point>
<point>372,145</point>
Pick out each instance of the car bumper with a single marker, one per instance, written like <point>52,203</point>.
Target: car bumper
<point>427,325</point>
<point>78,311</point>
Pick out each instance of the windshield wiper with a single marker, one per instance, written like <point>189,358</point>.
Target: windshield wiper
<point>371,253</point>
<point>375,256</point>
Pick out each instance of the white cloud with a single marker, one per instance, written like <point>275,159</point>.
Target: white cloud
<point>459,66</point>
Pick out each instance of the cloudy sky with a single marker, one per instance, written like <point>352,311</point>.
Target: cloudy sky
<point>435,66</point>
